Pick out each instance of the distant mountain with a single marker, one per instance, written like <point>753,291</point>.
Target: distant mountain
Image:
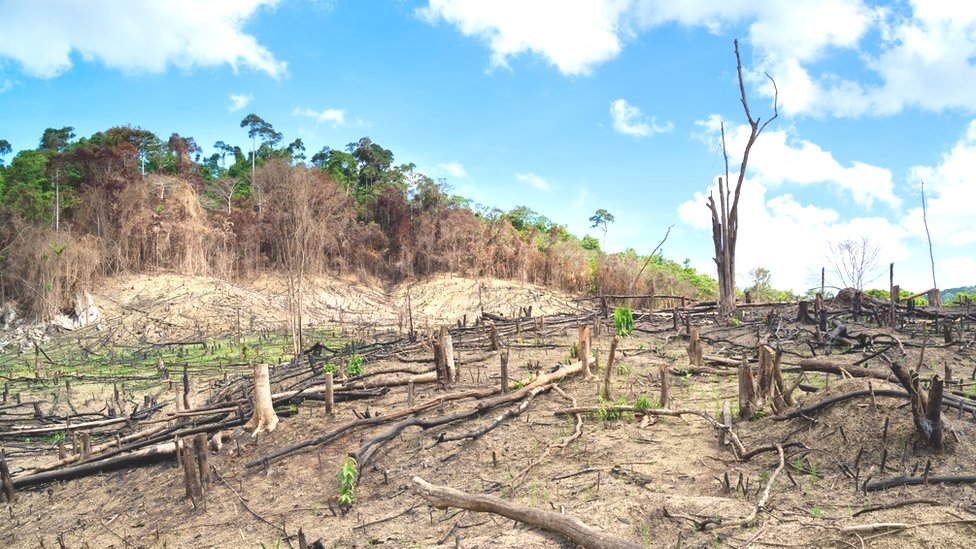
<point>947,295</point>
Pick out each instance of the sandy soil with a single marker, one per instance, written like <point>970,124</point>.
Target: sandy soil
<point>619,476</point>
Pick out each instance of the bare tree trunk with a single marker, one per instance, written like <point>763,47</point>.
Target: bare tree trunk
<point>725,217</point>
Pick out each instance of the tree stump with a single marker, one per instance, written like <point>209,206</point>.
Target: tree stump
<point>584,349</point>
<point>695,351</point>
<point>747,390</point>
<point>264,419</point>
<point>926,407</point>
<point>605,392</point>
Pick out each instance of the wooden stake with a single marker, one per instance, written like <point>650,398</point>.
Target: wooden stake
<point>504,371</point>
<point>329,394</point>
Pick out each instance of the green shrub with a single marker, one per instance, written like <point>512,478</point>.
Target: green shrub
<point>354,367</point>
<point>623,320</point>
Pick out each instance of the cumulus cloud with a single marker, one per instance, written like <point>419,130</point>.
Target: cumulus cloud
<point>778,159</point>
<point>628,120</point>
<point>145,36</point>
<point>574,37</point>
<point>918,54</point>
<point>238,101</point>
<point>336,117</point>
<point>534,181</point>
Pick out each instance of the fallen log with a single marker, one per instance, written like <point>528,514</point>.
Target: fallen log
<point>145,456</point>
<point>806,410</point>
<point>443,497</point>
<point>915,481</point>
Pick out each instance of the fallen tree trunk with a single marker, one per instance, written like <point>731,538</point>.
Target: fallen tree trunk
<point>915,481</point>
<point>145,456</point>
<point>443,497</point>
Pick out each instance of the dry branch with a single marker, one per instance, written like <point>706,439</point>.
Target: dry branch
<point>443,497</point>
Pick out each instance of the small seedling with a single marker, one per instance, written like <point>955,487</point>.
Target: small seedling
<point>642,404</point>
<point>348,475</point>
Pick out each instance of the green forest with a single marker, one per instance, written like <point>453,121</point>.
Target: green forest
<point>125,200</point>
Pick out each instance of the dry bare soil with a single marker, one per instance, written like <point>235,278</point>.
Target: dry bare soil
<point>658,483</point>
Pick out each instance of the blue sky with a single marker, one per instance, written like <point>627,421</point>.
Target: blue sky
<point>563,106</point>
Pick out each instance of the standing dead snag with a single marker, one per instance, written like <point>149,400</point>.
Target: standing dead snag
<point>264,419</point>
<point>725,217</point>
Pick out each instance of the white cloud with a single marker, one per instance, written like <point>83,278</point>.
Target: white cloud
<point>238,101</point>
<point>534,180</point>
<point>336,117</point>
<point>574,37</point>
<point>916,54</point>
<point>628,120</point>
<point>454,169</point>
<point>144,36</point>
<point>777,159</point>
<point>949,196</point>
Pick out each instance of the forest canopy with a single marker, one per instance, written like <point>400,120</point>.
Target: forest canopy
<point>125,200</point>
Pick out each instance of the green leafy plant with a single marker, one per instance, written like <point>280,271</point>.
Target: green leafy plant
<point>354,367</point>
<point>348,475</point>
<point>642,404</point>
<point>330,368</point>
<point>623,368</point>
<point>623,320</point>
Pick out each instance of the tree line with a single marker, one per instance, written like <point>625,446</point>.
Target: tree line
<point>124,200</point>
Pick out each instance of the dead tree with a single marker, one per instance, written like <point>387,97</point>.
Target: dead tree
<point>725,216</point>
<point>264,419</point>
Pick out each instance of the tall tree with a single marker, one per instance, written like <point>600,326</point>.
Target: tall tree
<point>56,140</point>
<point>725,215</point>
<point>296,150</point>
<point>5,149</point>
<point>258,127</point>
<point>602,220</point>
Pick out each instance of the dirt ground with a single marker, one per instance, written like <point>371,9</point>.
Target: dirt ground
<point>659,484</point>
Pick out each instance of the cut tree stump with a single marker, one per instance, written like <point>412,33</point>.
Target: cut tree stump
<point>695,350</point>
<point>747,390</point>
<point>264,419</point>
